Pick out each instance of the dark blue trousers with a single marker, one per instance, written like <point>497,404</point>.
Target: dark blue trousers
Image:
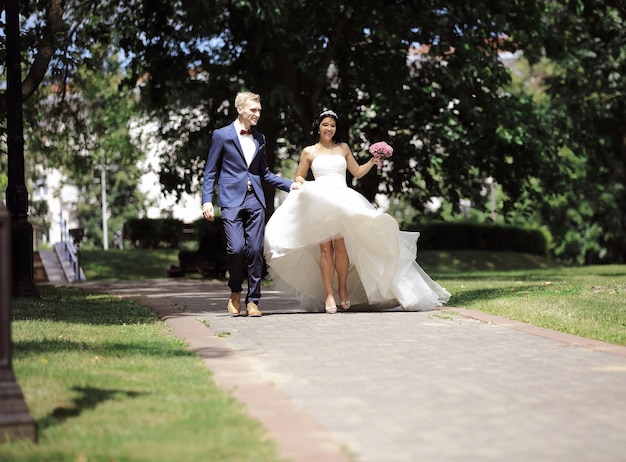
<point>244,227</point>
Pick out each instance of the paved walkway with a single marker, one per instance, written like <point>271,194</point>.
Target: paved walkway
<point>441,386</point>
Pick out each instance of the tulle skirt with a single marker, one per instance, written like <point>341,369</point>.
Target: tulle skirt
<point>383,269</point>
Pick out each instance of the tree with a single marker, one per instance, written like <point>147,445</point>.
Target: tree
<point>351,56</point>
<point>587,94</point>
<point>450,115</point>
<point>44,37</point>
<point>83,128</point>
<point>198,54</point>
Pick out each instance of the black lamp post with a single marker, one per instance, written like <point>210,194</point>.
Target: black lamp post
<point>15,420</point>
<point>16,193</point>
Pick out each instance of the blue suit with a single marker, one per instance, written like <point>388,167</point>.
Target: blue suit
<point>242,206</point>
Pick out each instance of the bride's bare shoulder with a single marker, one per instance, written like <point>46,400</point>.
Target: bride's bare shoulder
<point>309,152</point>
<point>345,149</point>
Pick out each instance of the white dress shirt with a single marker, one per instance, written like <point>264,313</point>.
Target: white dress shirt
<point>246,141</point>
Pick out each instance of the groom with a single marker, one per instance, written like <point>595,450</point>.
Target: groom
<point>237,162</point>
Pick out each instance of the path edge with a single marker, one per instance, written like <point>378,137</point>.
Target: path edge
<point>569,339</point>
<point>298,437</point>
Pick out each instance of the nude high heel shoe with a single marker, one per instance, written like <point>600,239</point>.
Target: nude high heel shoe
<point>345,304</point>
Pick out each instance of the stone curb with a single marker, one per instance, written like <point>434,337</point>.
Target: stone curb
<point>570,339</point>
<point>298,437</point>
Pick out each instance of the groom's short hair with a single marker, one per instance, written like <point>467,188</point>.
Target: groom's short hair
<point>244,96</point>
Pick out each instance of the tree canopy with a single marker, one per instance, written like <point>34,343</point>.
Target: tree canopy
<point>587,93</point>
<point>448,110</point>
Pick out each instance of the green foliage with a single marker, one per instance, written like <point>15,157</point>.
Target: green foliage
<point>449,119</point>
<point>82,130</point>
<point>457,264</point>
<point>586,206</point>
<point>152,233</point>
<point>471,236</point>
<point>40,212</point>
<point>4,182</point>
<point>550,131</point>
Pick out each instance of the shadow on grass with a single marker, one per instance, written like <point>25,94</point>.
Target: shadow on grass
<point>465,298</point>
<point>88,398</point>
<point>503,276</point>
<point>22,350</point>
<point>570,274</point>
<point>76,306</point>
<point>115,264</point>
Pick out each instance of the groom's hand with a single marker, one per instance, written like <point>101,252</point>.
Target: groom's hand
<point>207,211</point>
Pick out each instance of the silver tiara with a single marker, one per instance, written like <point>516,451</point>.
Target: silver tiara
<point>329,112</point>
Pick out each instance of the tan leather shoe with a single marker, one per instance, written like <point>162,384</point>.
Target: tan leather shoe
<point>253,309</point>
<point>234,304</point>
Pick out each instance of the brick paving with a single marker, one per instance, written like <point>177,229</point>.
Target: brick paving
<point>368,386</point>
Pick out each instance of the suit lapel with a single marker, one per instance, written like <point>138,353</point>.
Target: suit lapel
<point>233,134</point>
<point>258,142</point>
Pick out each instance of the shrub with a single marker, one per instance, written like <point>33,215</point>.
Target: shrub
<point>471,236</point>
<point>153,233</point>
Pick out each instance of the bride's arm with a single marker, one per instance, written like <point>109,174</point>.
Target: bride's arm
<point>303,166</point>
<point>354,168</point>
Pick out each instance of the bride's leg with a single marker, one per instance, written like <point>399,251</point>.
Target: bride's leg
<point>327,266</point>
<point>342,263</point>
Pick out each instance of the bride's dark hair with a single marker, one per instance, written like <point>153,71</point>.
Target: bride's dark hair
<point>315,128</point>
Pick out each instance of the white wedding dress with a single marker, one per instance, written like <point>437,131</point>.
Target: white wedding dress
<point>383,271</point>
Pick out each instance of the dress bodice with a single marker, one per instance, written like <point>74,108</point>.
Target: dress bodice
<point>330,169</point>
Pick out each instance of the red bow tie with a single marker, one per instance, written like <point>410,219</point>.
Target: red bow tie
<point>245,132</point>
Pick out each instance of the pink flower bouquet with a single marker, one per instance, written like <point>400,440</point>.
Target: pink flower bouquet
<point>381,151</point>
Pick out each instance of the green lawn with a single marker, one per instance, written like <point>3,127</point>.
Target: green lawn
<point>120,265</point>
<point>589,301</point>
<point>106,380</point>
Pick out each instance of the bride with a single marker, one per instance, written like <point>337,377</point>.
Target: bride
<point>327,235</point>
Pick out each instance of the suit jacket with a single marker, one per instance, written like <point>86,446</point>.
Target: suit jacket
<point>226,165</point>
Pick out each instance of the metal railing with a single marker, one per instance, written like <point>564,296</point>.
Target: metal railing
<point>71,250</point>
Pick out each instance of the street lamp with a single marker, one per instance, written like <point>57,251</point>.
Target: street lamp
<point>492,196</point>
<point>105,224</point>
<point>16,193</point>
<point>15,420</point>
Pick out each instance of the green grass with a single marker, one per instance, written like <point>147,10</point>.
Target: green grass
<point>120,265</point>
<point>573,301</point>
<point>588,301</point>
<point>105,380</point>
